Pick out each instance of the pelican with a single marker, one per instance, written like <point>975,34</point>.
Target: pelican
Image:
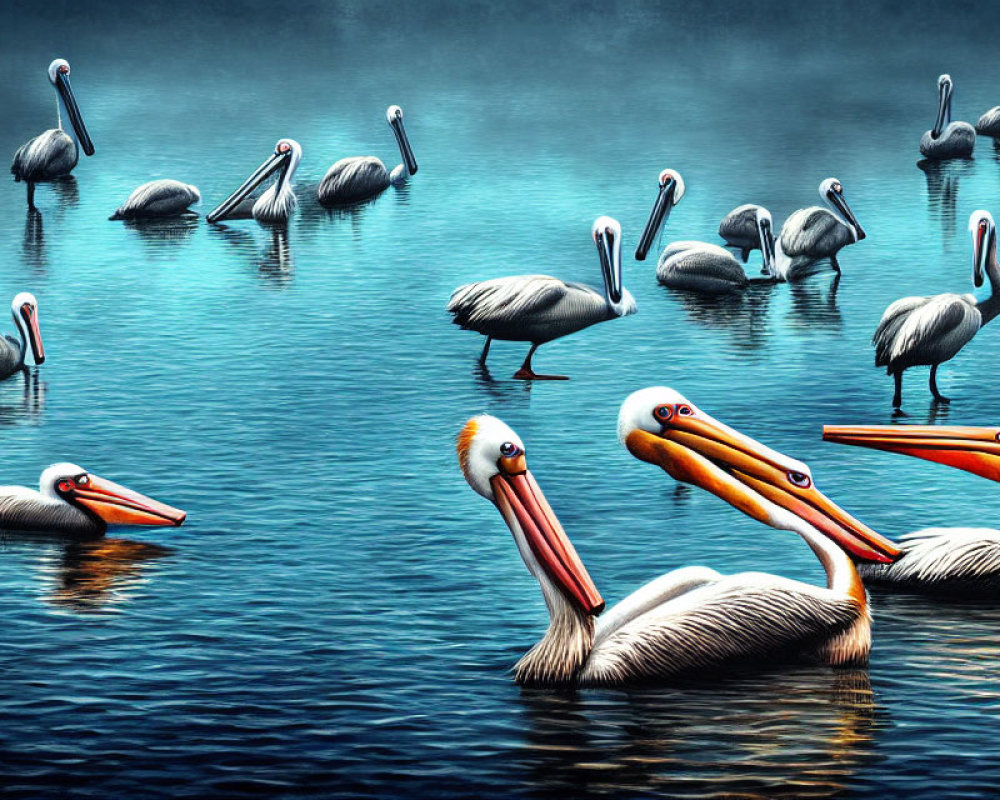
<point>278,202</point>
<point>815,233</point>
<point>53,153</point>
<point>158,200</point>
<point>915,331</point>
<point>24,310</point>
<point>352,180</point>
<point>538,309</point>
<point>671,190</point>
<point>741,228</point>
<point>964,561</point>
<point>947,139</point>
<point>989,123</point>
<point>72,501</point>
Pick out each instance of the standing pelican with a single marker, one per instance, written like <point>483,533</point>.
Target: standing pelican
<point>741,228</point>
<point>538,309</point>
<point>963,561</point>
<point>947,139</point>
<point>671,190</point>
<point>159,200</point>
<point>352,180</point>
<point>278,202</point>
<point>24,310</point>
<point>72,501</point>
<point>918,331</point>
<point>815,233</point>
<point>989,123</point>
<point>53,153</point>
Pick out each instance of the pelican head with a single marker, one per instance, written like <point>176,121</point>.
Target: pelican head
<point>984,243</point>
<point>765,230</point>
<point>832,192</point>
<point>661,426</point>
<point>394,116</point>
<point>107,501</point>
<point>945,90</point>
<point>286,156</point>
<point>24,310</point>
<point>671,190</point>
<point>59,78</point>
<point>607,235</point>
<point>492,459</point>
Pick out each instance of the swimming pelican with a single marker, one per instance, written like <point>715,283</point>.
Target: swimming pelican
<point>989,123</point>
<point>538,309</point>
<point>352,180</point>
<point>53,153</point>
<point>671,190</point>
<point>278,202</point>
<point>947,139</point>
<point>916,331</point>
<point>74,502</point>
<point>815,233</point>
<point>963,561</point>
<point>159,199</point>
<point>741,228</point>
<point>24,310</point>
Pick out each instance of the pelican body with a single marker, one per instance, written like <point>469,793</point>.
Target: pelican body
<point>53,153</point>
<point>24,311</point>
<point>918,331</point>
<point>539,308</point>
<point>159,199</point>
<point>947,139</point>
<point>740,228</point>
<point>276,205</point>
<point>989,123</point>
<point>813,234</point>
<point>354,180</point>
<point>70,501</point>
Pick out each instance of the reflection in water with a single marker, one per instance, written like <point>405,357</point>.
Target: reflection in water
<point>942,190</point>
<point>814,303</point>
<point>500,389</point>
<point>22,398</point>
<point>33,242</point>
<point>67,190</point>
<point>744,316</point>
<point>156,231</point>
<point>274,263</point>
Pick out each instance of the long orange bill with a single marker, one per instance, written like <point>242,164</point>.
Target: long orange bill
<point>30,315</point>
<point>117,505</point>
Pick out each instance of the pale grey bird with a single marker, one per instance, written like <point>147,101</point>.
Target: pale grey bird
<point>947,139</point>
<point>538,308</point>
<point>353,180</point>
<point>811,235</point>
<point>278,202</point>
<point>13,352</point>
<point>740,228</point>
<point>158,200</point>
<point>989,123</point>
<point>671,190</point>
<point>917,331</point>
<point>73,502</point>
<point>53,153</point>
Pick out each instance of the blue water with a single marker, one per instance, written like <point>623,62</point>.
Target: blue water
<point>339,614</point>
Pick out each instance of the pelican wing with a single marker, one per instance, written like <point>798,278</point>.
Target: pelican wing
<point>500,302</point>
<point>815,232</point>
<point>989,123</point>
<point>925,330</point>
<point>160,198</point>
<point>962,559</point>
<point>699,266</point>
<point>739,226</point>
<point>48,155</point>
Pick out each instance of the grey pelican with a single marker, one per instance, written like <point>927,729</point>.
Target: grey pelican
<point>278,202</point>
<point>964,561</point>
<point>947,139</point>
<point>538,308</point>
<point>53,153</point>
<point>671,190</point>
<point>353,180</point>
<point>24,310</point>
<point>989,123</point>
<point>917,331</point>
<point>740,228</point>
<point>815,233</point>
<point>159,199</point>
<point>71,501</point>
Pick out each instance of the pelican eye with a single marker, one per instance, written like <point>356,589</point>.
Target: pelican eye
<point>685,411</point>
<point>509,450</point>
<point>64,69</point>
<point>663,413</point>
<point>284,147</point>
<point>800,479</point>
<point>63,486</point>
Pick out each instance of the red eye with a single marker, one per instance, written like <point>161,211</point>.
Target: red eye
<point>64,69</point>
<point>284,147</point>
<point>64,486</point>
<point>663,413</point>
<point>684,411</point>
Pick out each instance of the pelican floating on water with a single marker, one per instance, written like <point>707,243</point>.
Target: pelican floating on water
<point>24,310</point>
<point>947,139</point>
<point>917,331</point>
<point>353,180</point>
<point>158,200</point>
<point>278,202</point>
<point>671,190</point>
<point>53,153</point>
<point>740,228</point>
<point>812,234</point>
<point>989,123</point>
<point>963,561</point>
<point>538,308</point>
<point>71,501</point>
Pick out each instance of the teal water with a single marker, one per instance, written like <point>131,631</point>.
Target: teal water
<point>339,613</point>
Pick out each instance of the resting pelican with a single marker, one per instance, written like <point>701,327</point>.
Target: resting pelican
<point>24,310</point>
<point>53,153</point>
<point>915,331</point>
<point>352,180</point>
<point>538,309</point>
<point>71,501</point>
<point>741,228</point>
<point>671,190</point>
<point>963,561</point>
<point>815,233</point>
<point>276,204</point>
<point>159,199</point>
<point>947,139</point>
<point>989,123</point>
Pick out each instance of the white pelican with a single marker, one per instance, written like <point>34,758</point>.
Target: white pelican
<point>53,153</point>
<point>671,190</point>
<point>962,561</point>
<point>71,501</point>
<point>812,234</point>
<point>24,310</point>
<point>917,331</point>
<point>740,228</point>
<point>159,199</point>
<point>538,309</point>
<point>947,139</point>
<point>353,180</point>
<point>278,202</point>
<point>989,123</point>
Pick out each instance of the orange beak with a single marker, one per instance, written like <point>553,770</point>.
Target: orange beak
<point>117,505</point>
<point>30,316</point>
<point>975,450</point>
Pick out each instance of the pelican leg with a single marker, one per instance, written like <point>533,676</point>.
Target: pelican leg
<point>526,373</point>
<point>31,195</point>
<point>934,390</point>
<point>836,264</point>
<point>897,397</point>
<point>745,252</point>
<point>486,350</point>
